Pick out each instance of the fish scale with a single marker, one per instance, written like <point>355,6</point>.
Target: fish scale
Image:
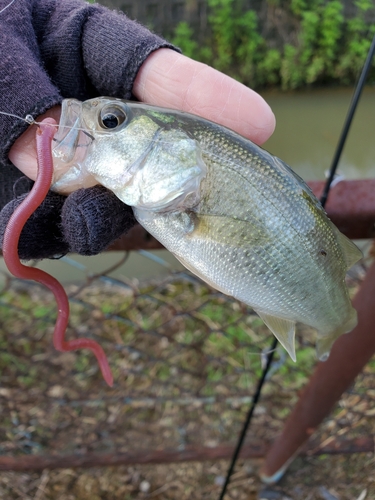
<point>304,225</point>
<point>269,217</point>
<point>233,214</point>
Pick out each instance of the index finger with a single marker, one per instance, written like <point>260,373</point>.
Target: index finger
<point>172,80</point>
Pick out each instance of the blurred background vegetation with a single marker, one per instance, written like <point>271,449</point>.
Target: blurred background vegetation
<point>266,43</point>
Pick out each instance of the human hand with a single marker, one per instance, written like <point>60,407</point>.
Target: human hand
<point>166,79</point>
<point>171,80</point>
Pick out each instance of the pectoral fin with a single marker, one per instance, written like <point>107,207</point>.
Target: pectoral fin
<point>324,343</point>
<point>230,231</point>
<point>284,331</point>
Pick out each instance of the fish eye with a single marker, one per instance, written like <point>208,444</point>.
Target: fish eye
<point>111,117</point>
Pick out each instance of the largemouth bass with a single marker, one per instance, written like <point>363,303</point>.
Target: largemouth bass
<point>232,213</point>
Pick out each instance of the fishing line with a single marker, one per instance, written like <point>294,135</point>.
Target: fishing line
<point>5,8</point>
<point>340,146</point>
<point>30,120</point>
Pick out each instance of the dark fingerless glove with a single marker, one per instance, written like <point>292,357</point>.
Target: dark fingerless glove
<point>85,222</point>
<point>49,50</point>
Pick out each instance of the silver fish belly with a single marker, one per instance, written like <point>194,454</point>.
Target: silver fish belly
<point>233,214</point>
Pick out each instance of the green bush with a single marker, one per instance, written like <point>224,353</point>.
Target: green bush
<point>184,38</point>
<point>326,48</point>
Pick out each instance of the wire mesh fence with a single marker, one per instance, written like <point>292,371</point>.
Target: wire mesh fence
<point>185,360</point>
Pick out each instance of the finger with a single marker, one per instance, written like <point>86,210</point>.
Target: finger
<point>170,79</point>
<point>23,152</point>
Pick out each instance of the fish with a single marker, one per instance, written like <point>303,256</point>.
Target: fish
<point>233,214</point>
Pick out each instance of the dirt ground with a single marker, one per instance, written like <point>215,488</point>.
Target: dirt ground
<point>185,362</point>
<point>323,478</point>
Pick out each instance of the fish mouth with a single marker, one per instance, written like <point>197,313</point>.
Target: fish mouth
<point>72,142</point>
<point>72,136</point>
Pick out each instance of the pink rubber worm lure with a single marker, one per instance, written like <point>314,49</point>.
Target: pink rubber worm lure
<point>44,136</point>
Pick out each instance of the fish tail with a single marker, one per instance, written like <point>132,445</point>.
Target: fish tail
<point>324,343</point>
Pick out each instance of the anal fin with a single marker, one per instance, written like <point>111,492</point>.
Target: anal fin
<point>284,331</point>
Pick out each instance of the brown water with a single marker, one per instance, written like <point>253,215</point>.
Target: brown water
<point>308,127</point>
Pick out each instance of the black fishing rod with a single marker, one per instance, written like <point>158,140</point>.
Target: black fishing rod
<point>348,121</point>
<point>340,146</point>
<point>249,417</point>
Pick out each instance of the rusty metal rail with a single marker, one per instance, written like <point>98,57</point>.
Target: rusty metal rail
<point>351,206</point>
<point>163,456</point>
<point>349,355</point>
